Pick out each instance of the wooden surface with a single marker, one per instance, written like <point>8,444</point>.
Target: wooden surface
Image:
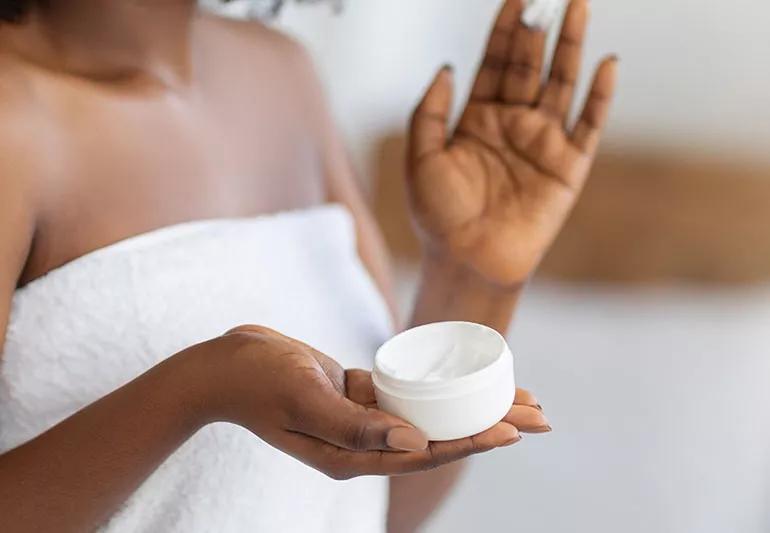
<point>644,217</point>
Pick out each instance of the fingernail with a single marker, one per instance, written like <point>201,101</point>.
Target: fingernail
<point>541,429</point>
<point>513,441</point>
<point>407,439</point>
<point>539,407</point>
<point>448,67</point>
<point>615,58</point>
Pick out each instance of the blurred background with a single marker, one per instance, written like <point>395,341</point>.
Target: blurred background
<point>647,332</point>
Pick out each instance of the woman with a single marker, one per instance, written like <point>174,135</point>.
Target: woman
<point>120,118</point>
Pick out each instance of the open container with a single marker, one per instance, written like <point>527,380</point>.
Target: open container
<point>450,379</point>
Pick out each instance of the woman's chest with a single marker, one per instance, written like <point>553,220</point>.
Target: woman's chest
<point>129,166</point>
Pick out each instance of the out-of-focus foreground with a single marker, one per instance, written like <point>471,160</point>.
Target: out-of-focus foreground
<point>646,336</point>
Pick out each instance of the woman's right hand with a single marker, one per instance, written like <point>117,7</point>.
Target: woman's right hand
<point>305,404</point>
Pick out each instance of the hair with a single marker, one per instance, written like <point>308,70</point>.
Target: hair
<point>13,11</point>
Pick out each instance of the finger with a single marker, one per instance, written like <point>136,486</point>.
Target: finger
<point>521,80</point>
<point>588,129</point>
<point>341,463</point>
<point>333,418</point>
<point>360,388</point>
<point>428,130</point>
<point>488,80</point>
<point>501,434</point>
<point>527,419</point>
<point>557,96</point>
<point>441,453</point>
<point>525,397</point>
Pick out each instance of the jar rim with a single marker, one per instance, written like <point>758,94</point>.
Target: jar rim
<point>454,386</point>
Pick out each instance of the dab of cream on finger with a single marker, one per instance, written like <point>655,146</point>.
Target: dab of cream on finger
<point>541,14</point>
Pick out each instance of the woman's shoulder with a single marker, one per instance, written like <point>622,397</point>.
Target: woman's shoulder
<point>276,65</point>
<point>27,139</point>
<point>25,157</point>
<point>23,129</point>
<point>17,92</point>
<point>255,41</point>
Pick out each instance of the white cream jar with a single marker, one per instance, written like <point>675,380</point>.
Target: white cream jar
<point>450,379</point>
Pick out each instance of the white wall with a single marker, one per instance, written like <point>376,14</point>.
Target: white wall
<point>694,72</point>
<point>661,416</point>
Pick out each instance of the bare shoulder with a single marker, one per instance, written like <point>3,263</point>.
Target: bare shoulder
<point>257,35</point>
<point>22,160</point>
<point>260,35</point>
<point>19,126</point>
<point>262,46</point>
<point>25,128</point>
<point>26,151</point>
<point>275,68</point>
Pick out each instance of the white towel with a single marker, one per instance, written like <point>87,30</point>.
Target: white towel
<point>94,324</point>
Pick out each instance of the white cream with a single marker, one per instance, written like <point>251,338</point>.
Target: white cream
<point>429,355</point>
<point>450,379</point>
<point>541,14</point>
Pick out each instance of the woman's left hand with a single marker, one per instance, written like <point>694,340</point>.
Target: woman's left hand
<point>495,194</point>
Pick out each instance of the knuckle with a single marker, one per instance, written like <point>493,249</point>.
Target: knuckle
<point>495,62</point>
<point>233,344</point>
<point>249,328</point>
<point>439,456</point>
<point>253,328</point>
<point>569,41</point>
<point>428,116</point>
<point>598,96</point>
<point>563,80</point>
<point>442,458</point>
<point>243,328</point>
<point>434,458</point>
<point>355,435</point>
<point>244,343</point>
<point>523,69</point>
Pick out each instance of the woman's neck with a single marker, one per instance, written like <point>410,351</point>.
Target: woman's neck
<point>109,40</point>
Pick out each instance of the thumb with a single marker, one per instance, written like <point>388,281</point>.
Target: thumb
<point>428,130</point>
<point>346,424</point>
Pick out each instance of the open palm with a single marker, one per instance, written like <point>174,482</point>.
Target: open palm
<point>495,194</point>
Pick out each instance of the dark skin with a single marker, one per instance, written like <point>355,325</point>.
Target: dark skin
<point>141,125</point>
